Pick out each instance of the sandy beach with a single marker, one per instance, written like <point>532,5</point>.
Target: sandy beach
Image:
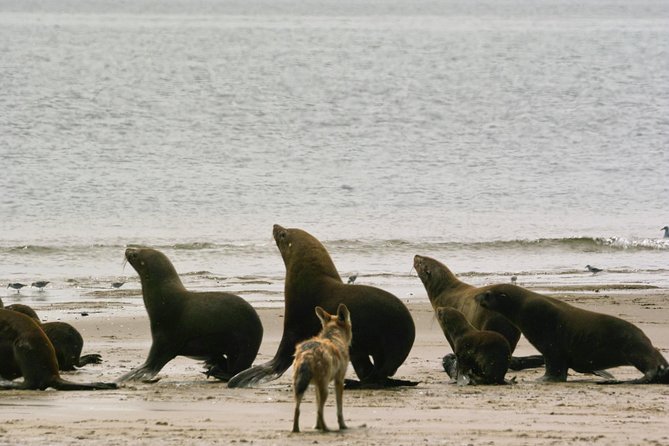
<point>185,407</point>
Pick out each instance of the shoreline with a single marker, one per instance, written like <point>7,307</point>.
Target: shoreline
<point>186,407</point>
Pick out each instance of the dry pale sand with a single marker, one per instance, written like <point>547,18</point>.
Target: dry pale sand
<point>184,407</point>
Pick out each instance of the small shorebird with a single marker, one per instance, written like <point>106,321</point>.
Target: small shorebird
<point>666,231</point>
<point>514,279</point>
<point>352,278</point>
<point>592,269</point>
<point>117,284</point>
<point>17,286</point>
<point>40,284</point>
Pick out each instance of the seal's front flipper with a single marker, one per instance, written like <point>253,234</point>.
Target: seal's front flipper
<point>450,365</point>
<point>143,374</point>
<point>89,359</point>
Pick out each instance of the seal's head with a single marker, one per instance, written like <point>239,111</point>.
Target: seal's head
<point>302,252</point>
<point>422,266</point>
<point>25,309</point>
<point>449,316</point>
<point>499,299</point>
<point>435,275</point>
<point>151,265</point>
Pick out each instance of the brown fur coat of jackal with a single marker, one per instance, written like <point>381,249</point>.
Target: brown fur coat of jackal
<point>322,359</point>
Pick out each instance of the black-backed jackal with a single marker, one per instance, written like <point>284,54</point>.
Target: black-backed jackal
<point>322,359</point>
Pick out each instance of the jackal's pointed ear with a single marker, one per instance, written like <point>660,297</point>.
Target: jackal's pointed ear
<point>322,315</point>
<point>343,314</point>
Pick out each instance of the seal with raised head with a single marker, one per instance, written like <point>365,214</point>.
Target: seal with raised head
<point>26,351</point>
<point>66,340</point>
<point>573,338</point>
<point>482,355</point>
<point>383,329</point>
<point>219,328</point>
<point>446,290</point>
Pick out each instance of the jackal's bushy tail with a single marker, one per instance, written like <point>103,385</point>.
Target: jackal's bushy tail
<point>302,378</point>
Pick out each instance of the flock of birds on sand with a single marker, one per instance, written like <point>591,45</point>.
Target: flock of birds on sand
<point>40,284</point>
<point>351,279</point>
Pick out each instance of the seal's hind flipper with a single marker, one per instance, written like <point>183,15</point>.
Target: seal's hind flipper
<point>659,375</point>
<point>62,384</point>
<point>9,385</point>
<point>526,362</point>
<point>255,375</point>
<point>378,383</point>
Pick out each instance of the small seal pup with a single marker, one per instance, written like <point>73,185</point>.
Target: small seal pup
<point>571,337</point>
<point>322,359</point>
<point>382,325</point>
<point>444,289</point>
<point>220,328</point>
<point>66,340</point>
<point>482,355</point>
<point>26,351</point>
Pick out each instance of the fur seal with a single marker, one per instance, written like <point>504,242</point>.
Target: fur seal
<point>382,325</point>
<point>66,340</point>
<point>571,337</point>
<point>220,328</point>
<point>26,351</point>
<point>482,355</point>
<point>446,290</point>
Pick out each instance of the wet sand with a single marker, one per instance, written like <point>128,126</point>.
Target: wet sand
<point>186,408</point>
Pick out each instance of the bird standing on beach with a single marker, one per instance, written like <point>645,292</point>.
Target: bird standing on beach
<point>352,278</point>
<point>17,286</point>
<point>117,284</point>
<point>514,279</point>
<point>592,269</point>
<point>666,231</point>
<point>40,284</point>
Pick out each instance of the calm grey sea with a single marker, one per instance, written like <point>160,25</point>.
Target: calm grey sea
<point>503,137</point>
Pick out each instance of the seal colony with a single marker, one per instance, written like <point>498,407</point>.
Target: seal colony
<point>482,325</point>
<point>382,325</point>
<point>222,329</point>
<point>574,338</point>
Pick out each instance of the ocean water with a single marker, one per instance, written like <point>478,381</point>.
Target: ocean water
<point>502,138</point>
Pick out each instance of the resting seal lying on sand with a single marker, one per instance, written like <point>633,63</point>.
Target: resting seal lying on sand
<point>66,340</point>
<point>26,351</point>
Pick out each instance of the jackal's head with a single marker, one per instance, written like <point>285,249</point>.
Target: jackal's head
<point>336,324</point>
